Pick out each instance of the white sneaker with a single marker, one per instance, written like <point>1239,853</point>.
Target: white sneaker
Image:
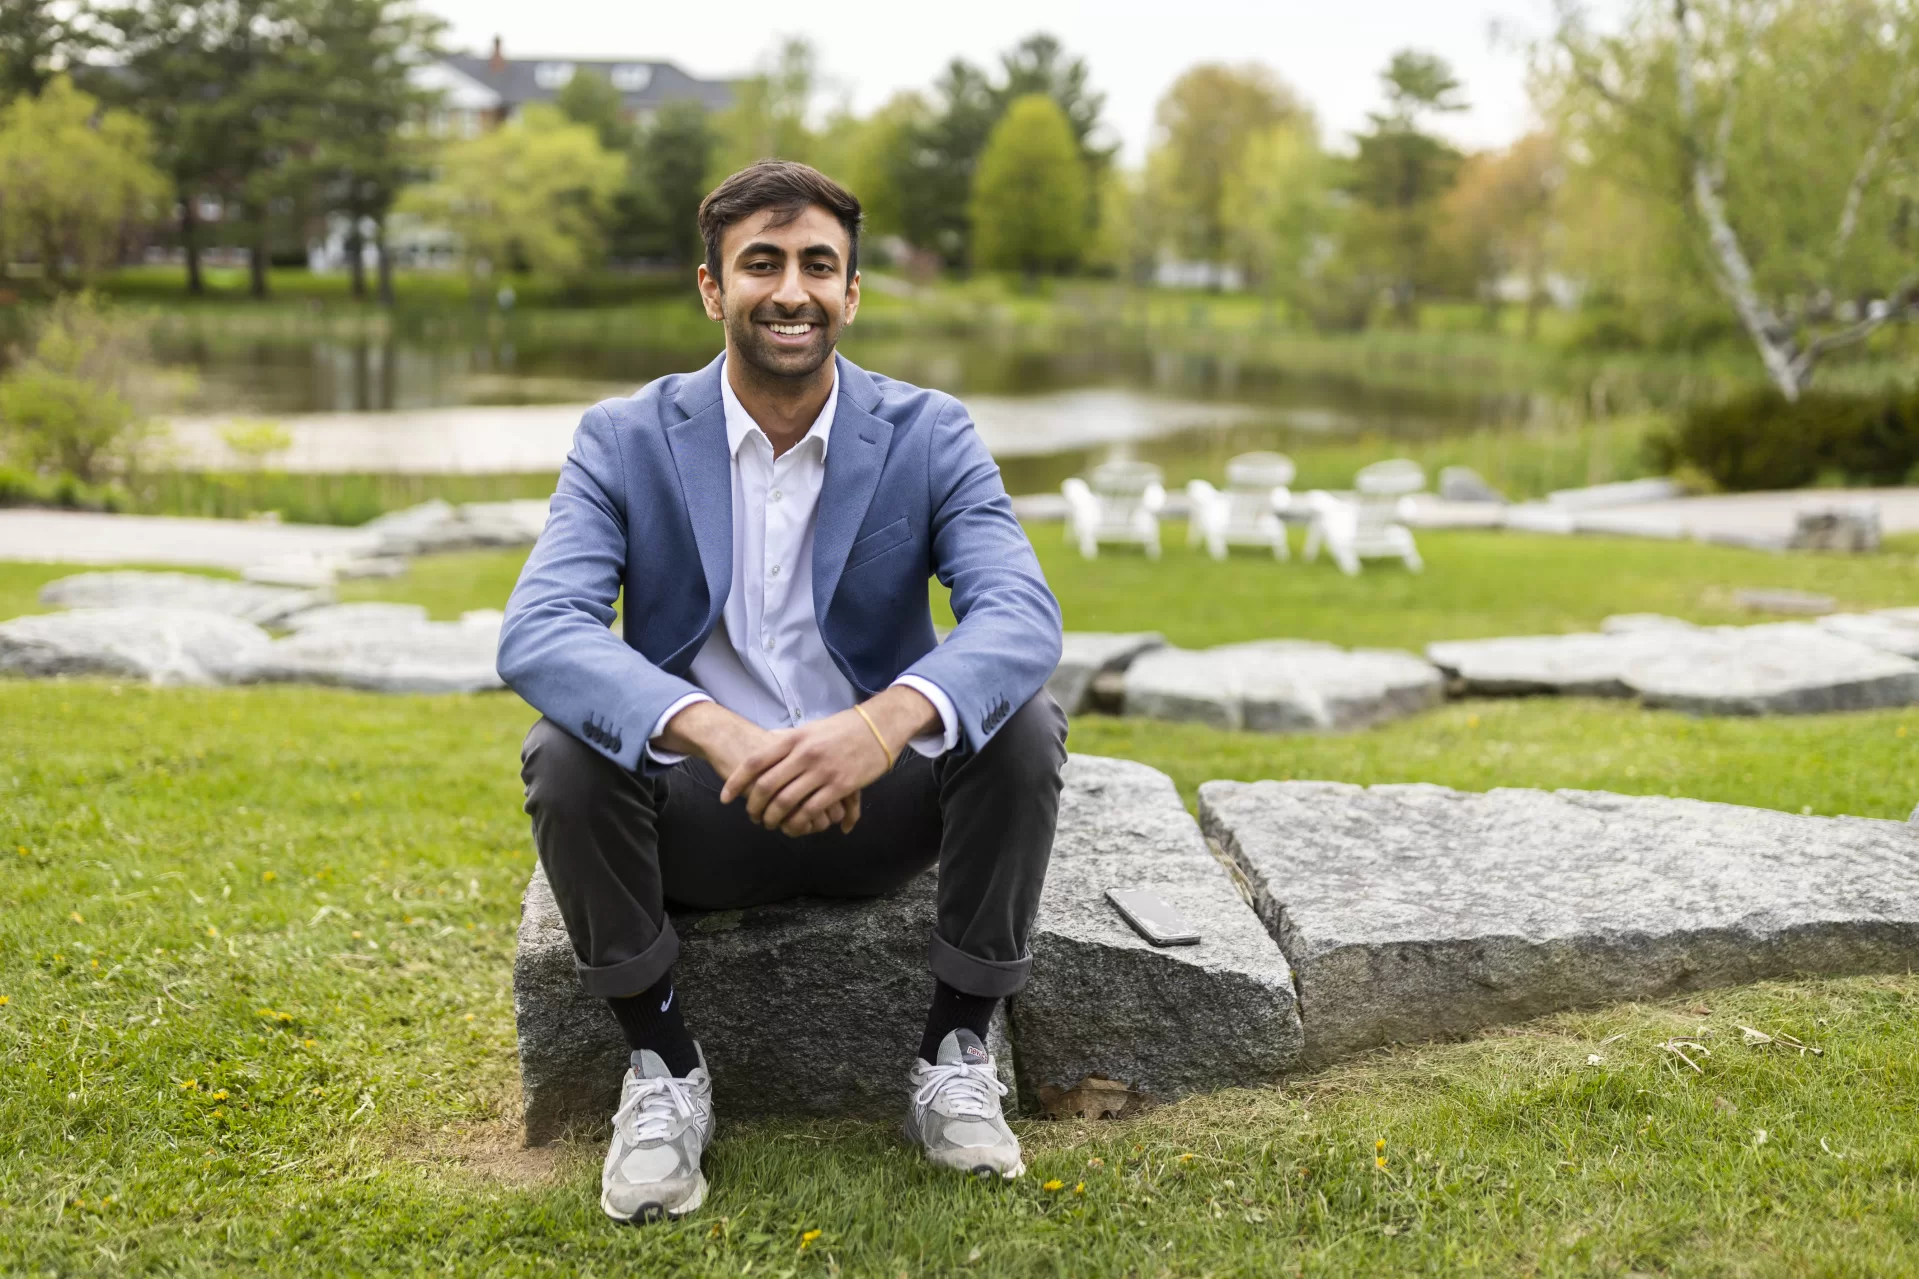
<point>954,1115</point>
<point>659,1133</point>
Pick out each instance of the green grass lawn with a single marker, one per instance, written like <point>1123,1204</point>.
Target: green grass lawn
<point>255,948</point>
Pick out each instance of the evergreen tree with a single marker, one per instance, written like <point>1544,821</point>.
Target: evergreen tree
<point>1029,195</point>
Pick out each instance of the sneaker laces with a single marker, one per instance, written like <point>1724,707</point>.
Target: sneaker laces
<point>650,1110</point>
<point>970,1091</point>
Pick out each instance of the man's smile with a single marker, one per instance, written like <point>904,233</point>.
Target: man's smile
<point>789,331</point>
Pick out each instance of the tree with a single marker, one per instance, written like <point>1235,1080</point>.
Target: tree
<point>355,136</point>
<point>213,80</point>
<point>73,179</point>
<point>1400,172</point>
<point>670,161</point>
<point>37,39</point>
<point>1771,145</point>
<point>768,118</point>
<point>532,195</point>
<point>1205,121</point>
<point>1040,64</point>
<point>1495,222</point>
<point>1029,196</point>
<point>589,98</point>
<point>1278,209</point>
<point>883,160</point>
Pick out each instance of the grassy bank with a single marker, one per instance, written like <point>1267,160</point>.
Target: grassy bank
<point>256,944</point>
<point>256,948</point>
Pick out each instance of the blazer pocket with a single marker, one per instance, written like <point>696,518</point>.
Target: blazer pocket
<point>874,545</point>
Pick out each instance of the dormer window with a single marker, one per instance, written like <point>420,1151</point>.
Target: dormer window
<point>632,78</point>
<point>553,75</point>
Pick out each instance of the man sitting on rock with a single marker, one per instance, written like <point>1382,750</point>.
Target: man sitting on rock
<point>776,717</point>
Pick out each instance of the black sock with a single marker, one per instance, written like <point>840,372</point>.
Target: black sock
<point>954,1010</point>
<point>651,1019</point>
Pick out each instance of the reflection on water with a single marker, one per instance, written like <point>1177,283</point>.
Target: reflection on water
<point>1045,412</point>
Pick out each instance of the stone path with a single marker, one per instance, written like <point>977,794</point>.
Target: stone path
<point>1780,668</point>
<point>1415,912</point>
<point>1280,686</point>
<point>849,979</point>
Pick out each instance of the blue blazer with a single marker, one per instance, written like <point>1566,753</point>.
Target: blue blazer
<point>645,505</point>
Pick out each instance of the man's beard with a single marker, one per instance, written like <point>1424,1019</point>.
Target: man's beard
<point>758,349</point>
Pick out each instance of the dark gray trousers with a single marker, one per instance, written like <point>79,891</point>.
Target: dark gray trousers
<point>618,846</point>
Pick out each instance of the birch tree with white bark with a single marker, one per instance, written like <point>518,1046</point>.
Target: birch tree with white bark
<point>1776,142</point>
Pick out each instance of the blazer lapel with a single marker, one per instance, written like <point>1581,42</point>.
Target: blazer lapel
<point>853,464</point>
<point>706,481</point>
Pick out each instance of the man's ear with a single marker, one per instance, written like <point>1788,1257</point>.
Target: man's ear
<point>711,295</point>
<point>852,298</point>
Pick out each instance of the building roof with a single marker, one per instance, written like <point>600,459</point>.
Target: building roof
<point>642,84</point>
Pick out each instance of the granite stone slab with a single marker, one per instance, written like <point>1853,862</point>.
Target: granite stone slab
<point>1085,655</point>
<point>1157,1022</point>
<point>394,657</point>
<point>437,525</point>
<point>347,616</point>
<point>1787,668</point>
<point>132,588</point>
<point>1577,665</point>
<point>1883,631</point>
<point>808,1007</point>
<point>1414,912</point>
<point>1280,686</point>
<point>157,645</point>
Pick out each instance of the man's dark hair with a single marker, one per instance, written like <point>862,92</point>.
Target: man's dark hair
<point>786,188</point>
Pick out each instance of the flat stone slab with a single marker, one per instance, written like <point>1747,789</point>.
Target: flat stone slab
<point>131,588</point>
<point>1415,912</point>
<point>440,526</point>
<point>1103,1003</point>
<point>815,1007</point>
<point>1084,655</point>
<point>1790,668</point>
<point>1889,632</point>
<point>1279,686</point>
<point>1781,668</point>
<point>384,657</point>
<point>346,616</point>
<point>156,645</point>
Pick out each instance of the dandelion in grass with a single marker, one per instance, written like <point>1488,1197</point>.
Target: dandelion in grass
<point>1079,1187</point>
<point>191,1085</point>
<point>1187,1157</point>
<point>268,877</point>
<point>807,1238</point>
<point>220,1095</point>
<point>309,1043</point>
<point>1054,1184</point>
<point>74,915</point>
<point>5,1000</point>
<point>212,931</point>
<point>319,1092</point>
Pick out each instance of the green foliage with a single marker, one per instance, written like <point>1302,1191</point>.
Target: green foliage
<point>37,38</point>
<point>71,406</point>
<point>1207,121</point>
<point>74,180</point>
<point>768,118</point>
<point>671,157</point>
<point>535,194</point>
<point>589,98</point>
<point>1029,196</point>
<point>1762,440</point>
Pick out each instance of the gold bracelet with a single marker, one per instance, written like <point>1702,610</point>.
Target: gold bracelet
<point>876,734</point>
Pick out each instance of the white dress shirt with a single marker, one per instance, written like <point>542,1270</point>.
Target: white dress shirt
<point>766,660</point>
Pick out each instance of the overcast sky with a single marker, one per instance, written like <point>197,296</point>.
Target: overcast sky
<point>1329,50</point>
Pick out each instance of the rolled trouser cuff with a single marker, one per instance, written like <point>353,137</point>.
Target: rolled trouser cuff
<point>995,978</point>
<point>631,976</point>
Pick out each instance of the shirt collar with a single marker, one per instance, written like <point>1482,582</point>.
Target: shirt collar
<point>740,425</point>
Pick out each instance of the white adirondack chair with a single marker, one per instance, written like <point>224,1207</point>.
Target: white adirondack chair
<point>1246,512</point>
<point>1372,525</point>
<point>1119,502</point>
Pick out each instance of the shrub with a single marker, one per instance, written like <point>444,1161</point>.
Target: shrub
<point>1761,440</point>
<point>70,405</point>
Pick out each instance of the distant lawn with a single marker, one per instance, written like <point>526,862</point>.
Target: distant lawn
<point>255,946</point>
<point>1475,584</point>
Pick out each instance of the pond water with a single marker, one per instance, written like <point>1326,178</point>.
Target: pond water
<point>415,403</point>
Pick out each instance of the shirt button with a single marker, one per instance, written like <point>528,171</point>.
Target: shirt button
<point>769,646</point>
<point>774,571</point>
<point>775,495</point>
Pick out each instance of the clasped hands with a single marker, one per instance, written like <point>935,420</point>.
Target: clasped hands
<point>800,781</point>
